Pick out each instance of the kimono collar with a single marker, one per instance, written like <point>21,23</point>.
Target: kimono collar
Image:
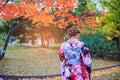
<point>72,41</point>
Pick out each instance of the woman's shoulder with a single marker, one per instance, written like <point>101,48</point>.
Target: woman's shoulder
<point>80,43</point>
<point>63,44</point>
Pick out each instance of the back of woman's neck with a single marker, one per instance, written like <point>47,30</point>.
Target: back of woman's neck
<point>73,38</point>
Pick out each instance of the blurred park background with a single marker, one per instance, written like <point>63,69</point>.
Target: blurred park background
<point>32,33</point>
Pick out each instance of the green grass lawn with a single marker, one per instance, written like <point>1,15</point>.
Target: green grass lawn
<point>37,61</point>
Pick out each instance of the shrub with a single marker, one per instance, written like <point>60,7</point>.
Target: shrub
<point>100,46</point>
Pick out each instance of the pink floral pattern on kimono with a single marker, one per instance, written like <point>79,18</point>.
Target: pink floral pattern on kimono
<point>75,57</point>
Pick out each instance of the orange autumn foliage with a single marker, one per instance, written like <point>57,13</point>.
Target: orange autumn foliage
<point>91,21</point>
<point>28,10</point>
<point>10,11</point>
<point>40,12</point>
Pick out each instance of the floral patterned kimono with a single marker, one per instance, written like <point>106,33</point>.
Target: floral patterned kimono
<point>75,60</point>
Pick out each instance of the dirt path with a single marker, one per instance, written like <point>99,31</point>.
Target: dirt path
<point>106,74</point>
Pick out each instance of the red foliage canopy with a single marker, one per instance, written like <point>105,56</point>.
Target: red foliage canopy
<point>45,12</point>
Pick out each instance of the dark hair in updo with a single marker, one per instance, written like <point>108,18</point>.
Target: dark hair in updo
<point>73,31</point>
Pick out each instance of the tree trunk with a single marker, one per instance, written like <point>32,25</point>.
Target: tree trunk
<point>2,52</point>
<point>119,44</point>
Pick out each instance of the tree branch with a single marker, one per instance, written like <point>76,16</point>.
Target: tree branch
<point>13,28</point>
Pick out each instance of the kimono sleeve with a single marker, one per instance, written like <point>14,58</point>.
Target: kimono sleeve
<point>86,58</point>
<point>61,53</point>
